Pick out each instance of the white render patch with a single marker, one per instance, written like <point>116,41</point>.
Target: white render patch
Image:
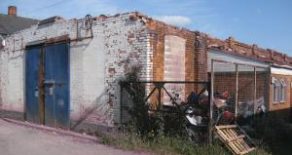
<point>174,65</point>
<point>281,71</point>
<point>174,58</point>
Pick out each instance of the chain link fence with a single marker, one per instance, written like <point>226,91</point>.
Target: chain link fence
<point>240,87</point>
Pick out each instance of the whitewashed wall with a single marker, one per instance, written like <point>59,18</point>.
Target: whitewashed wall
<point>96,64</point>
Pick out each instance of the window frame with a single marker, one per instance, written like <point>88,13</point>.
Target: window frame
<point>283,91</point>
<point>279,90</point>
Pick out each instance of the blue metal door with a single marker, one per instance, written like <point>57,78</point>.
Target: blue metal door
<point>57,85</point>
<point>32,61</point>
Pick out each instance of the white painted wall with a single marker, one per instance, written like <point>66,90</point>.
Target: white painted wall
<point>96,65</point>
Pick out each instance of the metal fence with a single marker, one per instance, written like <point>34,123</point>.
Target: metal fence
<point>189,100</point>
<point>240,87</point>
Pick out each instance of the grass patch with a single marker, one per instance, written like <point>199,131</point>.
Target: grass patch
<point>163,145</point>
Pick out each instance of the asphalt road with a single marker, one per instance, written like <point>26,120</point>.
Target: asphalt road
<point>21,140</point>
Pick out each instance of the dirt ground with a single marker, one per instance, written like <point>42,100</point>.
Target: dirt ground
<point>21,140</point>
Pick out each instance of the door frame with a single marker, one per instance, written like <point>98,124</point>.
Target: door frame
<point>41,97</point>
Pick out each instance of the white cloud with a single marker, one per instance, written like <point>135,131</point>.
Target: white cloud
<point>175,20</point>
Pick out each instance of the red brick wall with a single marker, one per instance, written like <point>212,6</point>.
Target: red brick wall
<point>197,45</point>
<point>284,107</point>
<point>159,30</point>
<point>195,52</point>
<point>251,51</point>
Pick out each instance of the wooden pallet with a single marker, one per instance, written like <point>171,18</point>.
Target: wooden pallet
<point>236,140</point>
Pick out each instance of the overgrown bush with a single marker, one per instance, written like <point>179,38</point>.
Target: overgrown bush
<point>145,125</point>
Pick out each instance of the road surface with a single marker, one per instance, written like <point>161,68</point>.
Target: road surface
<point>20,140</point>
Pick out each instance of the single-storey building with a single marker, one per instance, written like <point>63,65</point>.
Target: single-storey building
<point>65,73</point>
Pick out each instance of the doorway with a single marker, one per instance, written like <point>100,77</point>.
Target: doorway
<point>47,84</point>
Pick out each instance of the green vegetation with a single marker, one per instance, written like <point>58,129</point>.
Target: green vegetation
<point>166,145</point>
<point>161,145</point>
<point>164,133</point>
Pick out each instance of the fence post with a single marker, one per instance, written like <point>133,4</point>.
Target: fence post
<point>255,91</point>
<point>236,90</point>
<point>121,102</point>
<point>211,98</point>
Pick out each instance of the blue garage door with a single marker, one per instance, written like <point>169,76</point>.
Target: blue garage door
<point>47,83</point>
<point>32,59</point>
<point>56,85</point>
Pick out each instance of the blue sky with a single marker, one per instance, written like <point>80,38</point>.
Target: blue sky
<point>267,23</point>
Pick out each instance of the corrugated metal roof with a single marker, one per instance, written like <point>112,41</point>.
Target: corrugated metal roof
<point>231,60</point>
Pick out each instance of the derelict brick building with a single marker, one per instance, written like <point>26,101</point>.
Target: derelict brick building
<point>65,73</point>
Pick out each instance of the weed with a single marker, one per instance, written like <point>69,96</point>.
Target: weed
<point>156,133</point>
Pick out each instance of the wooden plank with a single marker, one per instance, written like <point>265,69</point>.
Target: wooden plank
<point>225,134</point>
<point>239,146</point>
<point>226,126</point>
<point>223,138</point>
<point>220,133</point>
<point>233,133</point>
<point>236,138</point>
<point>234,148</point>
<point>231,148</point>
<point>244,144</point>
<point>228,133</point>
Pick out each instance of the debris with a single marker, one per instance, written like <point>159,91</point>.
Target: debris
<point>235,139</point>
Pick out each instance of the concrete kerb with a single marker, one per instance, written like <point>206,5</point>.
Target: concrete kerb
<point>54,130</point>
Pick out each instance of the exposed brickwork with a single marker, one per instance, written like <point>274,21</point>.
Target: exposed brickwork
<point>251,51</point>
<point>159,30</point>
<point>201,65</point>
<point>195,52</point>
<point>118,43</point>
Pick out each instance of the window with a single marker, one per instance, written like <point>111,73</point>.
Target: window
<point>279,90</point>
<point>276,86</point>
<point>283,91</point>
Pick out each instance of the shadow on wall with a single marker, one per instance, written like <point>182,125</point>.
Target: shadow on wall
<point>98,104</point>
<point>272,130</point>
